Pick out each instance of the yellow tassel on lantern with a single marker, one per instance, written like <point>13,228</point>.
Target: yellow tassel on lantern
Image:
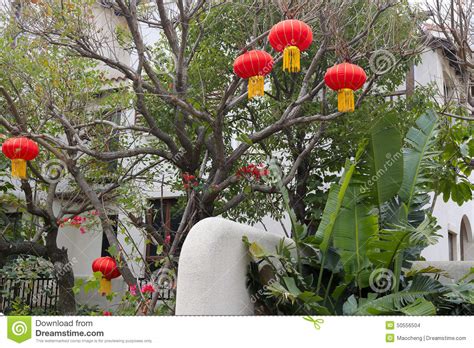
<point>291,59</point>
<point>19,168</point>
<point>345,100</point>
<point>256,86</point>
<point>105,287</point>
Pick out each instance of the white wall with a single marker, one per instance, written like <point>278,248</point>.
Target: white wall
<point>83,249</point>
<point>430,70</point>
<point>434,69</point>
<point>213,269</point>
<point>449,217</point>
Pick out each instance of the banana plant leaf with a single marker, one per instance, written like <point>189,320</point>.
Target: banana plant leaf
<point>324,234</point>
<point>418,156</point>
<point>410,301</point>
<point>354,227</point>
<point>384,160</point>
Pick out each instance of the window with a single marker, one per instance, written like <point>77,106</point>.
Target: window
<point>165,215</point>
<point>104,251</point>
<point>11,226</point>
<point>452,245</point>
<point>467,246</point>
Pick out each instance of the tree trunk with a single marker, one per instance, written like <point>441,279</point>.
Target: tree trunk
<point>65,277</point>
<point>297,196</point>
<point>64,273</point>
<point>204,210</point>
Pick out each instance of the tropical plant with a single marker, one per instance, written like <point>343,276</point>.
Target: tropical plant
<point>188,112</point>
<point>376,221</point>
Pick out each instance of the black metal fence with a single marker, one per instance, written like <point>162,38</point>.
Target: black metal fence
<point>42,294</point>
<point>36,294</point>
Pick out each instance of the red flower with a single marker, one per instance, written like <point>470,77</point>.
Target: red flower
<point>190,181</point>
<point>168,239</point>
<point>188,177</point>
<point>252,171</point>
<point>107,313</point>
<point>133,290</point>
<point>148,289</point>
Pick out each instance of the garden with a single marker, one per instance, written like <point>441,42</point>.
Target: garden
<point>125,123</point>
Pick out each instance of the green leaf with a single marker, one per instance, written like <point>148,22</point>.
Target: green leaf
<point>353,229</point>
<point>385,159</point>
<point>419,307</point>
<point>92,284</point>
<point>159,249</point>
<point>333,206</point>
<point>420,140</point>
<point>77,285</point>
<point>308,297</point>
<point>350,306</point>
<point>112,250</point>
<point>97,275</point>
<point>244,138</point>
<point>467,275</point>
<point>420,287</point>
<point>291,286</point>
<point>430,269</point>
<point>386,245</point>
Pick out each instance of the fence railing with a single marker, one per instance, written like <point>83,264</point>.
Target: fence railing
<point>39,293</point>
<point>43,293</point>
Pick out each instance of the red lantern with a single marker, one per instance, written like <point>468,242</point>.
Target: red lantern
<point>20,150</point>
<point>345,78</point>
<point>292,37</point>
<point>254,65</point>
<point>108,267</point>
